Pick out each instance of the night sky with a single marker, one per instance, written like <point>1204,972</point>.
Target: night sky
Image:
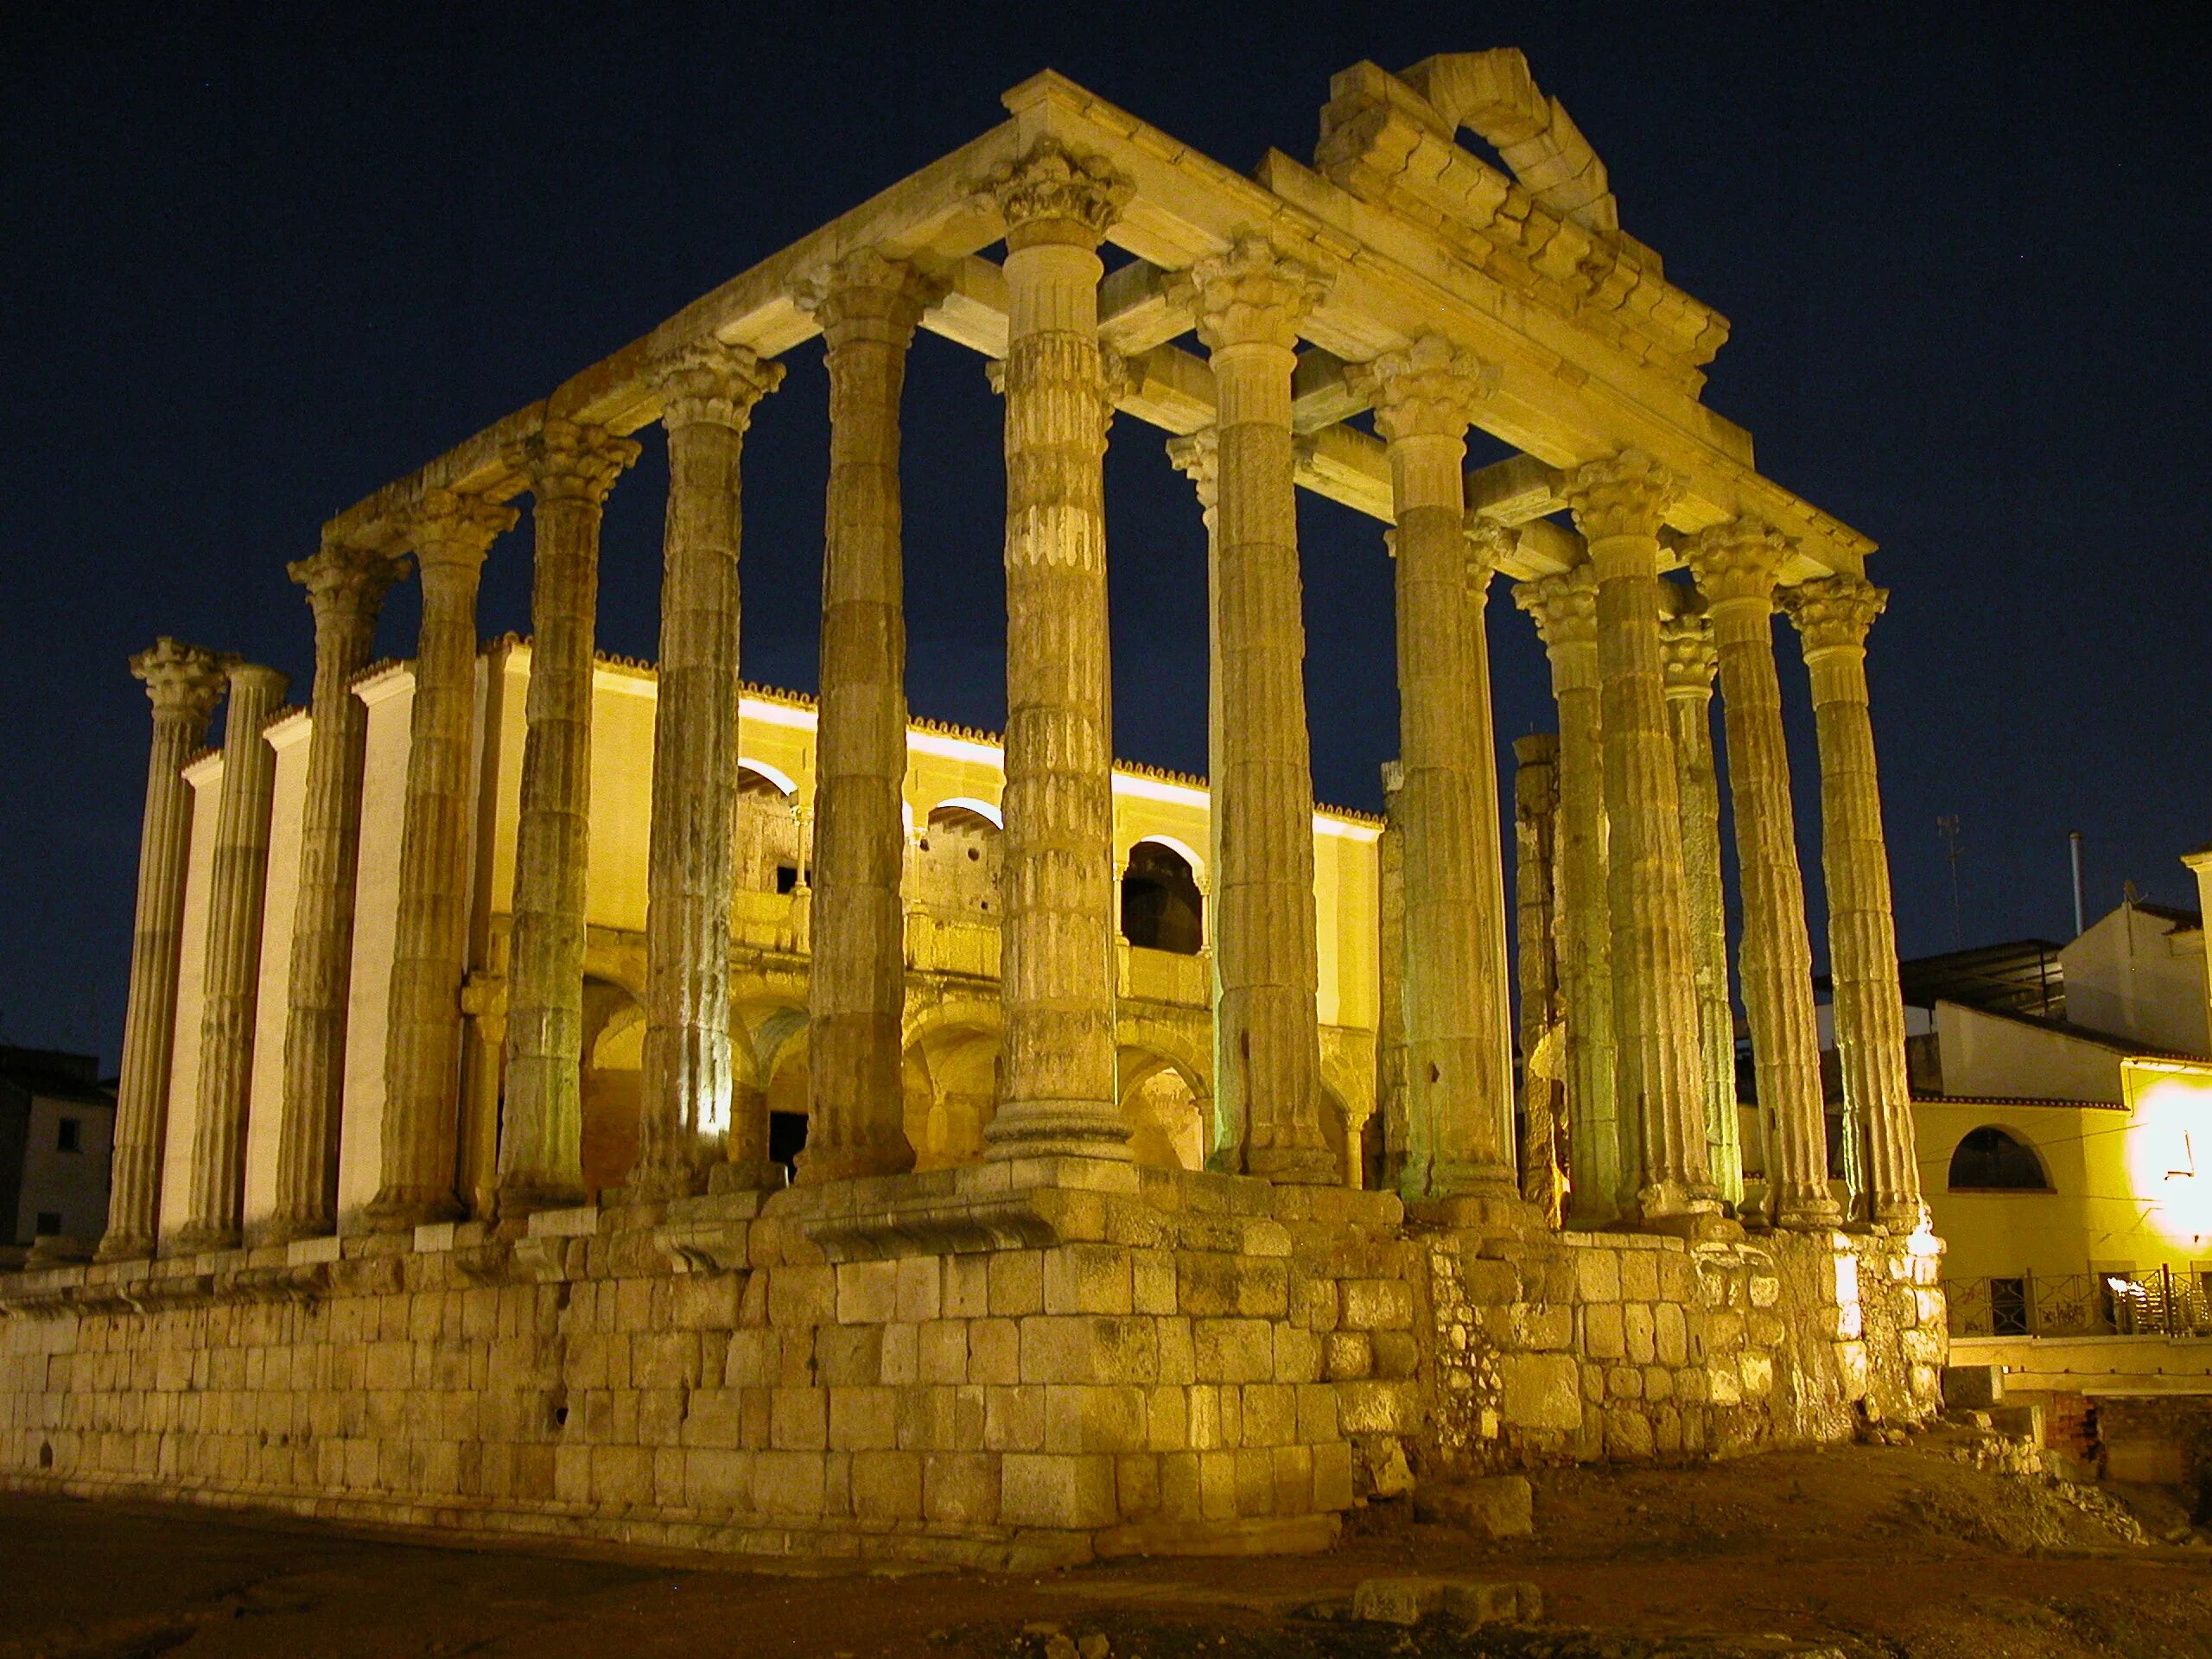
<point>255,262</point>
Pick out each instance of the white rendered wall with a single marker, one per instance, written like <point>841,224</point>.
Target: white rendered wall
<point>391,700</point>
<point>272,1008</point>
<point>206,778</point>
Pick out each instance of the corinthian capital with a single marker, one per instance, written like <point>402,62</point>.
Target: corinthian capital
<point>866,294</point>
<point>1196,455</point>
<point>1429,390</point>
<point>182,682</point>
<point>1488,544</point>
<point>1834,613</point>
<point>1250,295</point>
<point>346,580</point>
<point>1736,564</point>
<point>709,382</point>
<point>1563,606</point>
<point>1687,655</point>
<point>1626,494</point>
<point>450,528</point>
<point>565,461</point>
<point>1053,194</point>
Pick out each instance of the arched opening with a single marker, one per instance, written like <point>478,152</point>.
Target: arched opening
<point>959,855</point>
<point>768,852</point>
<point>614,1052</point>
<point>951,1089</point>
<point>1374,1154</point>
<point>1990,1160</point>
<point>1164,1112</point>
<point>1161,908</point>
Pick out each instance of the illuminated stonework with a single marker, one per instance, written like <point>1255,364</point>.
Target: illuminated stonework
<point>1092,1067</point>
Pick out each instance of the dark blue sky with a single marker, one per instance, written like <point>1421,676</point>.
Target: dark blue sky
<point>256,261</point>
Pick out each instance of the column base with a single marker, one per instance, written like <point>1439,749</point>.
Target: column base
<point>124,1247</point>
<point>1693,1227</point>
<point>286,1230</point>
<point>657,1184</point>
<point>1807,1212</point>
<point>1901,1218</point>
<point>522,1199</point>
<point>1296,1166</point>
<point>1058,1128</point>
<point>814,1165</point>
<point>1664,1199</point>
<point>197,1238</point>
<point>1497,1214</point>
<point>403,1209</point>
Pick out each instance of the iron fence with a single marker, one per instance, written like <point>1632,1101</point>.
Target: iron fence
<point>2163,1303</point>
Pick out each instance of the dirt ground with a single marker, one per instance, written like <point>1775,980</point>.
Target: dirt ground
<point>1859,1552</point>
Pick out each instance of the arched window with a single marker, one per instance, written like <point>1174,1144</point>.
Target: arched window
<point>1160,907</point>
<point>1990,1160</point>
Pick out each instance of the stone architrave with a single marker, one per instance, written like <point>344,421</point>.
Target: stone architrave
<point>450,533</point>
<point>1735,565</point>
<point>1564,610</point>
<point>1535,820</point>
<point>1832,615</point>
<point>345,585</point>
<point>1619,504</point>
<point>571,468</point>
<point>237,879</point>
<point>1058,937</point>
<point>1459,1035</point>
<point>708,392</point>
<point>1685,647</point>
<point>868,307</point>
<point>1247,303</point>
<point>183,682</point>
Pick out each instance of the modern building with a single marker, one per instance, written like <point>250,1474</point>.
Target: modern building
<point>56,1120</point>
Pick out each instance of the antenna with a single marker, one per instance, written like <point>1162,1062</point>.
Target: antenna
<point>2074,845</point>
<point>1947,827</point>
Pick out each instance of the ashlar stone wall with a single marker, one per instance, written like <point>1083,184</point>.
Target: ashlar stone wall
<point>994,1365</point>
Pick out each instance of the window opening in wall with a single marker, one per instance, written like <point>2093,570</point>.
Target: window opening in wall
<point>786,1136</point>
<point>49,1223</point>
<point>1161,909</point>
<point>69,1136</point>
<point>787,878</point>
<point>1988,1159</point>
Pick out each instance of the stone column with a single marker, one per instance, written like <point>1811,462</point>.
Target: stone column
<point>182,682</point>
<point>1458,1038</point>
<point>708,392</point>
<point>868,307</point>
<point>346,589</point>
<point>237,879</point>
<point>1685,648</point>
<point>1535,820</point>
<point>1564,608</point>
<point>570,468</point>
<point>1390,976</point>
<point>1619,504</point>
<point>1832,615</point>
<point>1247,303</point>
<point>450,534</point>
<point>1057,938</point>
<point>1735,565</point>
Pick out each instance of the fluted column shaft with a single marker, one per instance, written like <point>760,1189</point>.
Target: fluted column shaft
<point>1535,823</point>
<point>1735,565</point>
<point>570,468</point>
<point>238,880</point>
<point>182,682</point>
<point>1832,615</point>
<point>868,307</point>
<point>1247,303</point>
<point>1458,1078</point>
<point>1618,504</point>
<point>346,588</point>
<point>1057,938</point>
<point>1565,609</point>
<point>450,534</point>
<point>708,392</point>
<point>1686,643</point>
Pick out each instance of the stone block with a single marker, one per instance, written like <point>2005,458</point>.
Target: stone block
<point>867,1293</point>
<point>900,1358</point>
<point>1088,1279</point>
<point>1297,1355</point>
<point>964,1488</point>
<point>1627,1434</point>
<point>1017,1282</point>
<point>788,1483</point>
<point>1092,1417</point>
<point>1255,1481</point>
<point>1605,1333</point>
<point>1375,1408</point>
<point>1013,1418</point>
<point>863,1418</point>
<point>1757,1370</point>
<point>920,1288</point>
<point>1269,1414</point>
<point>1638,1326</point>
<point>845,1354</point>
<point>1057,1489</point>
<point>800,1295</point>
<point>1153,1282</point>
<point>926,1419</point>
<point>1497,1506</point>
<point>1233,1350</point>
<point>1541,1391</point>
<point>621,1476</point>
<point>799,1420</point>
<point>1493,1604</point>
<point>1972,1388</point>
<point>1179,1487</point>
<point>966,1287</point>
<point>943,1351</point>
<point>1332,1482</point>
<point>993,1351</point>
<point>1347,1355</point>
<point>1670,1335</point>
<point>1597,1273</point>
<point>1396,1353</point>
<point>887,1486</point>
<point>1377,1305</point>
<point>1175,1353</point>
<point>1639,1276</point>
<point>1217,1486</point>
<point>1540,1327</point>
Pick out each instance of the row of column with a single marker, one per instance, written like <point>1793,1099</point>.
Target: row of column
<point>1650,1059</point>
<point>1618,778</point>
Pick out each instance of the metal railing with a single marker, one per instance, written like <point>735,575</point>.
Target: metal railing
<point>2161,1303</point>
